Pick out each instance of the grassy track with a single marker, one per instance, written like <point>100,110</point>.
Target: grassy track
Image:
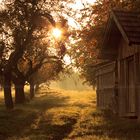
<point>67,115</point>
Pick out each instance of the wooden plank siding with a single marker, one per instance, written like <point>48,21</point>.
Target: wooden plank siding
<point>106,85</point>
<point>126,75</point>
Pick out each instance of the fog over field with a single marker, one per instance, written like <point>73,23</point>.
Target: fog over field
<point>71,82</point>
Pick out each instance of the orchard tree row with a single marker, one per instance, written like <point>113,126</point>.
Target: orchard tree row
<point>26,46</point>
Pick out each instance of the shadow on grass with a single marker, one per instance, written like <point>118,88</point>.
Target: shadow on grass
<point>103,125</point>
<point>114,127</point>
<point>49,100</point>
<point>51,131</point>
<point>44,127</point>
<point>17,123</point>
<point>13,122</point>
<point>50,116</point>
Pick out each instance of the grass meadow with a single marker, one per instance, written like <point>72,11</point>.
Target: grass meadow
<point>64,115</point>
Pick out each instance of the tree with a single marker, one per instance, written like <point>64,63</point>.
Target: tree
<point>25,35</point>
<point>42,52</point>
<point>20,20</point>
<point>48,72</point>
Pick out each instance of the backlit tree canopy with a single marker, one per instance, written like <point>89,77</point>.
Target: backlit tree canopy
<point>86,41</point>
<point>26,44</point>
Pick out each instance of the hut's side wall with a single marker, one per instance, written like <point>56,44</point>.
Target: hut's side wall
<point>125,51</point>
<point>128,85</point>
<point>105,85</point>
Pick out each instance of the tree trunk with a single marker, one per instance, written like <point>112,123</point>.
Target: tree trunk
<point>36,87</point>
<point>32,90</point>
<point>0,87</point>
<point>19,92</point>
<point>7,91</point>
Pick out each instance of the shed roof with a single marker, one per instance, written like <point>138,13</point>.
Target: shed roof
<point>124,24</point>
<point>128,24</point>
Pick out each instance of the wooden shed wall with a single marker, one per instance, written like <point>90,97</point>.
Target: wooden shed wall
<point>105,85</point>
<point>125,50</point>
<point>128,81</point>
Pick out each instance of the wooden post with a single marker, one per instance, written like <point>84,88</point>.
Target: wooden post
<point>122,87</point>
<point>137,84</point>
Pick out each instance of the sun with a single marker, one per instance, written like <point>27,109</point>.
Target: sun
<point>57,33</point>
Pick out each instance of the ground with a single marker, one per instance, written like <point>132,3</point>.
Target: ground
<point>64,115</point>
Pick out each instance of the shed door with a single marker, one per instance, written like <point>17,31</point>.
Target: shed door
<point>131,87</point>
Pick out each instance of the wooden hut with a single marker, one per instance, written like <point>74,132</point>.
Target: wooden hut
<point>121,45</point>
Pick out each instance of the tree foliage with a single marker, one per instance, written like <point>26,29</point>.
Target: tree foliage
<point>26,45</point>
<point>87,40</point>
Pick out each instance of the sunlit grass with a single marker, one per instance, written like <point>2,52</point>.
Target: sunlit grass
<point>65,115</point>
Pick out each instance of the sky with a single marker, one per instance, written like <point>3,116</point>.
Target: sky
<point>77,6</point>
<point>79,3</point>
<point>1,4</point>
